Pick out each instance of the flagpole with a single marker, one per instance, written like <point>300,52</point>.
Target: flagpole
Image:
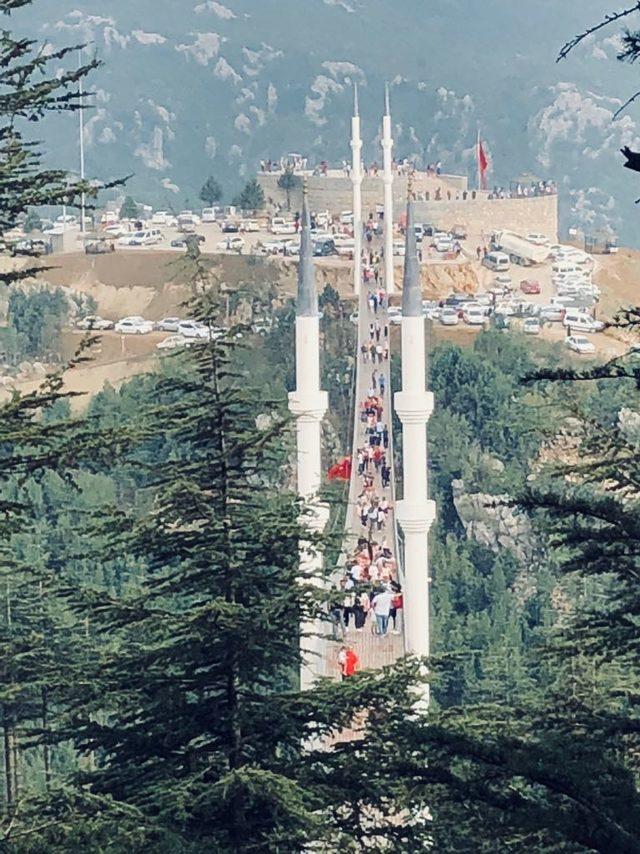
<point>81,130</point>
<point>478,176</point>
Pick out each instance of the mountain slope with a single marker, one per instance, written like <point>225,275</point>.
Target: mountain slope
<point>215,87</point>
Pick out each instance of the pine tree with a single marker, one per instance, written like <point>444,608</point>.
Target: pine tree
<point>211,191</point>
<point>34,84</point>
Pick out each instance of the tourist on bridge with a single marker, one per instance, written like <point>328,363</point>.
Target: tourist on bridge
<point>377,330</point>
<point>372,331</point>
<point>365,353</point>
<point>382,384</point>
<point>348,661</point>
<point>381,607</point>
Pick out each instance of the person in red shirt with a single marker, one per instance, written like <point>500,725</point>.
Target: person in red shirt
<point>348,661</point>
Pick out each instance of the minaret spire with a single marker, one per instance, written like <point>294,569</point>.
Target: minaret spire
<point>415,512</point>
<point>307,303</point>
<point>356,179</point>
<point>411,280</point>
<point>387,146</point>
<point>308,405</point>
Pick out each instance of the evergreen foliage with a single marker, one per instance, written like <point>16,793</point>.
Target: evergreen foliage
<point>129,208</point>
<point>251,198</point>
<point>211,191</point>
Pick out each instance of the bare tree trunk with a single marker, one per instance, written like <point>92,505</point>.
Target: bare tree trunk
<point>45,746</point>
<point>8,761</point>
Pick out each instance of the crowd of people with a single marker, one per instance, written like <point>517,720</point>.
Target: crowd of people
<point>369,594</point>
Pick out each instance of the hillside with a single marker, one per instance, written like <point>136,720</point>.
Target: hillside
<point>219,87</point>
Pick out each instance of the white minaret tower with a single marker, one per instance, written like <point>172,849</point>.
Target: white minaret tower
<point>387,145</point>
<point>414,405</point>
<point>356,179</point>
<point>308,405</point>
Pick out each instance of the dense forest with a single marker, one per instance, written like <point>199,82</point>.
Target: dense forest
<point>151,594</point>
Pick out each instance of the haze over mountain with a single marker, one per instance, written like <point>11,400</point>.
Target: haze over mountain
<point>207,87</point>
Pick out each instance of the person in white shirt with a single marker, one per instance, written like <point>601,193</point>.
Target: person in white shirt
<point>381,606</point>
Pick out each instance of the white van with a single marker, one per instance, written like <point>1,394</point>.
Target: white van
<point>208,214</point>
<point>580,321</point>
<point>496,261</point>
<point>566,268</point>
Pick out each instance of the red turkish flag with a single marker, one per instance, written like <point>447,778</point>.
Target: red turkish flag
<point>341,470</point>
<point>483,163</point>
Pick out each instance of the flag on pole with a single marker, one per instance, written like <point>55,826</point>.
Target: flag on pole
<point>341,470</point>
<point>483,164</point>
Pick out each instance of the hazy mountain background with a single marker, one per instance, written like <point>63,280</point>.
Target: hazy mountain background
<point>198,87</point>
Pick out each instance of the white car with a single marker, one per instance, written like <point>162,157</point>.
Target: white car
<point>168,324</point>
<point>195,329</point>
<point>159,218</point>
<point>128,239</point>
<point>346,218</point>
<point>441,236</point>
<point>133,326</point>
<point>581,321</point>
<point>579,344</point>
<point>230,244</point>
<point>444,246</point>
<point>208,215</point>
<point>282,226</point>
<point>399,248</point>
<point>395,315</point>
<point>449,316</point>
<point>538,239</point>
<point>552,313</point>
<point>346,247</point>
<point>93,321</point>
<point>172,342</point>
<point>531,326</point>
<point>249,225</point>
<point>504,282</point>
<point>474,315</point>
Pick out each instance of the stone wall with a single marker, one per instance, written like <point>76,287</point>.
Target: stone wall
<point>334,193</point>
<point>534,214</point>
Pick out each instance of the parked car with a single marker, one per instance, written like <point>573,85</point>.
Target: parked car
<point>93,321</point>
<point>501,321</point>
<point>474,315</point>
<point>183,242</point>
<point>168,324</point>
<point>497,261</point>
<point>449,316</point>
<point>279,225</point>
<point>538,239</point>
<point>133,326</point>
<point>530,286</point>
<point>30,247</point>
<point>172,342</point>
<point>459,232</point>
<point>552,313</point>
<point>99,247</point>
<point>444,246</point>
<point>231,244</point>
<point>580,321</point>
<point>346,218</point>
<point>196,330</point>
<point>579,344</point>
<point>208,215</point>
<point>531,326</point>
<point>250,226</point>
<point>323,248</point>
<point>399,248</point>
<point>394,314</point>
